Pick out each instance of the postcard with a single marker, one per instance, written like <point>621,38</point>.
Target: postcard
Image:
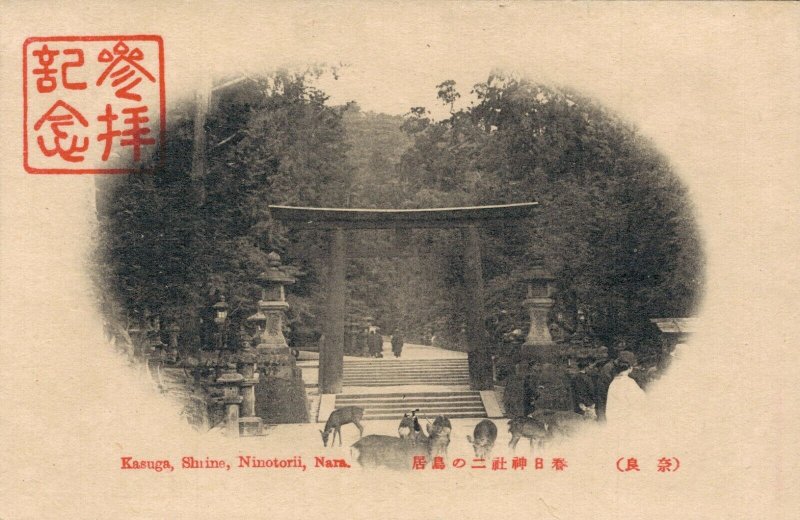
<point>399,259</point>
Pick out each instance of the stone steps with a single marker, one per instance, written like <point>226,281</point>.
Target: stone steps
<point>465,404</point>
<point>399,382</point>
<point>399,373</point>
<point>387,372</point>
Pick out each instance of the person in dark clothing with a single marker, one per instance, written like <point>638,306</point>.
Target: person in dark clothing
<point>397,343</point>
<point>417,429</point>
<point>375,344</point>
<point>583,388</point>
<point>363,343</point>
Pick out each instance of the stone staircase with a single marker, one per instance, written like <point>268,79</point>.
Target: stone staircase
<point>390,372</point>
<point>388,388</point>
<point>455,405</point>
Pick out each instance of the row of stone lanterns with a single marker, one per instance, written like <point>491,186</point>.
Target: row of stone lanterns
<point>271,353</point>
<point>238,373</point>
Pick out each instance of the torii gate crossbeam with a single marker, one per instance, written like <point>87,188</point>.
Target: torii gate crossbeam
<point>337,220</point>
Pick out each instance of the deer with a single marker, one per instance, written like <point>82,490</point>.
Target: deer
<point>439,433</point>
<point>398,453</point>
<point>533,429</point>
<point>564,422</point>
<point>339,417</point>
<point>409,426</point>
<point>392,452</point>
<point>543,424</point>
<point>485,434</point>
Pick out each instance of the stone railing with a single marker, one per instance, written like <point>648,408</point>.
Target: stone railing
<point>242,384</point>
<point>216,386</point>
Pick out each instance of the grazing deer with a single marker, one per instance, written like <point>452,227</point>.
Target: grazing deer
<point>338,417</point>
<point>485,434</point>
<point>564,422</point>
<point>543,424</point>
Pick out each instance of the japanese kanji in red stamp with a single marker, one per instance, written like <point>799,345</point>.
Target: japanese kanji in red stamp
<point>93,104</point>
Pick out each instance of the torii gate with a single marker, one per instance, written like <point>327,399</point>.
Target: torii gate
<point>338,220</point>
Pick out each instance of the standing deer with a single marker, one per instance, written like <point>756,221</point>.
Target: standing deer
<point>409,425</point>
<point>439,433</point>
<point>528,427</point>
<point>392,452</point>
<point>485,434</point>
<point>338,417</point>
<point>399,453</point>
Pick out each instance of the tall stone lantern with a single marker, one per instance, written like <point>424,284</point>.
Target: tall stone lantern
<point>280,394</point>
<point>539,301</point>
<point>137,339</point>
<point>273,304</point>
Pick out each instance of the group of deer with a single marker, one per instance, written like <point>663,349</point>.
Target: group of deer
<point>398,452</point>
<point>385,450</point>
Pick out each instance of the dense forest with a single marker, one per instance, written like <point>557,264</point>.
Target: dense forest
<point>616,226</point>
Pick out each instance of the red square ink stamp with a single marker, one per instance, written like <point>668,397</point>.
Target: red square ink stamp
<point>93,104</point>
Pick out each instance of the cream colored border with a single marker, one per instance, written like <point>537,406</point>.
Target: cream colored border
<point>714,84</point>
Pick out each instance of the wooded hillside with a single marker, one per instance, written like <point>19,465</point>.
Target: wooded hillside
<point>616,226</point>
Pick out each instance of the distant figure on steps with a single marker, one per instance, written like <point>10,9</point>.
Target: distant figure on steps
<point>397,343</point>
<point>375,344</point>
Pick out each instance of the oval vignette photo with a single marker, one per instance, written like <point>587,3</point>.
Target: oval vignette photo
<point>510,262</point>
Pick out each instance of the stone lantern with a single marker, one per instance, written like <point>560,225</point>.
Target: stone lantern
<point>539,301</point>
<point>137,339</point>
<point>220,320</point>
<point>249,423</point>
<point>154,349</point>
<point>581,334</point>
<point>257,321</point>
<point>220,311</point>
<point>173,331</point>
<point>231,381</point>
<point>279,392</point>
<point>273,304</point>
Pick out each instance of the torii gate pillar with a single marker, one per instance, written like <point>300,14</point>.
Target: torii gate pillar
<point>479,355</point>
<point>331,361</point>
<point>338,220</point>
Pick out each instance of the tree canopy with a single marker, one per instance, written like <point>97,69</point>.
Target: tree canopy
<point>616,226</point>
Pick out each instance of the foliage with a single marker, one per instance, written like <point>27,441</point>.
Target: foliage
<point>615,225</point>
<point>172,242</point>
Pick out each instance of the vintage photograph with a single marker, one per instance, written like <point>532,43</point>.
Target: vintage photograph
<point>377,260</point>
<point>523,258</point>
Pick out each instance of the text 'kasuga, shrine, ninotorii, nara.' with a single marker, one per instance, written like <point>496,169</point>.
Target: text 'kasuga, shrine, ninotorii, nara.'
<point>340,220</point>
